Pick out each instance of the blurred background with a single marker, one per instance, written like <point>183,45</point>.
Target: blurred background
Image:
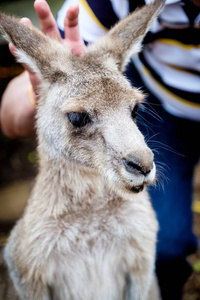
<point>18,166</point>
<point>17,157</point>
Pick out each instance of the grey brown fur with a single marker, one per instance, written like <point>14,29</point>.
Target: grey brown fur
<point>88,231</point>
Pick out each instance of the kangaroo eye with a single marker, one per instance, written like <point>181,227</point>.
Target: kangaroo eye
<point>135,111</point>
<point>78,119</point>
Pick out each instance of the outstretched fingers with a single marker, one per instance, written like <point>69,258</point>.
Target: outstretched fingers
<point>71,26</point>
<point>46,19</point>
<point>72,34</point>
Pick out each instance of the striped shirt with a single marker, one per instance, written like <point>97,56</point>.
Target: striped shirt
<point>169,63</point>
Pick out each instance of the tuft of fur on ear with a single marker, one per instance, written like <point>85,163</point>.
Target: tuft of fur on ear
<point>41,54</point>
<point>125,38</point>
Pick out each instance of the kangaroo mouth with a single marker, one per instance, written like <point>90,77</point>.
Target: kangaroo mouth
<point>137,189</point>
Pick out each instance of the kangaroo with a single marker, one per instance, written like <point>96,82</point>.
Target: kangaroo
<point>88,230</point>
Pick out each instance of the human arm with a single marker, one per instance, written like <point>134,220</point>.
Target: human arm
<point>17,112</point>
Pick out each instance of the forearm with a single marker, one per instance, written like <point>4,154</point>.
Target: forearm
<point>17,111</point>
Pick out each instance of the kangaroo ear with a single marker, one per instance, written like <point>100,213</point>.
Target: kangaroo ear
<point>41,54</point>
<point>125,38</point>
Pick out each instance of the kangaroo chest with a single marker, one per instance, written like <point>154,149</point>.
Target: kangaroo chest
<point>99,251</point>
<point>96,249</point>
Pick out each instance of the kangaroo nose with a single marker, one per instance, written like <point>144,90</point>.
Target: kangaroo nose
<point>137,166</point>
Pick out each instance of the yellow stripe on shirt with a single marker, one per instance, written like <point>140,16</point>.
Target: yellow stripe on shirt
<point>177,68</point>
<point>177,44</point>
<point>166,91</point>
<point>92,15</point>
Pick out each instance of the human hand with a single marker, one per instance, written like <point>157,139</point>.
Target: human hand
<point>71,28</point>
<point>49,27</point>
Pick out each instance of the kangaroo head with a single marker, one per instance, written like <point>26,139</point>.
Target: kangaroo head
<point>87,108</point>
